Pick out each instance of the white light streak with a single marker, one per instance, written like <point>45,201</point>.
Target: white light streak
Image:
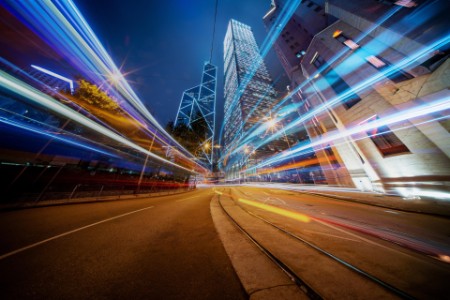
<point>14,85</point>
<point>48,72</point>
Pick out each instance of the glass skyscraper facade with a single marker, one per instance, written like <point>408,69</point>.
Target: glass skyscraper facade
<point>200,102</point>
<point>248,90</point>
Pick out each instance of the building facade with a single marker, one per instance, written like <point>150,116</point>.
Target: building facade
<point>248,93</point>
<point>364,62</point>
<point>198,104</point>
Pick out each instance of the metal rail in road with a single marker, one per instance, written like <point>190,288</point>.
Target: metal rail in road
<point>309,291</point>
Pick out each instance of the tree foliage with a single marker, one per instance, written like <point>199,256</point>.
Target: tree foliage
<point>94,96</point>
<point>189,137</point>
<point>199,126</point>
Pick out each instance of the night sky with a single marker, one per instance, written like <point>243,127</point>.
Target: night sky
<point>165,43</point>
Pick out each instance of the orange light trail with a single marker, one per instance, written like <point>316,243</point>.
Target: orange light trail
<point>279,211</point>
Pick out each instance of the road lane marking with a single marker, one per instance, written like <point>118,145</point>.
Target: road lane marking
<point>331,235</point>
<point>274,200</point>
<point>361,238</point>
<point>70,232</point>
<point>392,212</point>
<point>187,199</point>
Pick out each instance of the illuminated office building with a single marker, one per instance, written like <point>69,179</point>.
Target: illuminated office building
<point>248,90</point>
<point>368,60</point>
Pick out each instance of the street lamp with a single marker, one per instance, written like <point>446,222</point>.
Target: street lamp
<point>141,175</point>
<point>271,123</point>
<point>114,77</point>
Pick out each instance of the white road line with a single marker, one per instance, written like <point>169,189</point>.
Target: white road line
<point>332,235</point>
<point>70,232</point>
<point>361,238</point>
<point>392,212</point>
<point>187,199</point>
<point>282,201</point>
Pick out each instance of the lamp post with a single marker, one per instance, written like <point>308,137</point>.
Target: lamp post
<point>145,165</point>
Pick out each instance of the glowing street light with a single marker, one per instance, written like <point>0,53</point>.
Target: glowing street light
<point>271,123</point>
<point>114,77</point>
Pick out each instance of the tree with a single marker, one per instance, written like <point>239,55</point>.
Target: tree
<point>199,126</point>
<point>94,96</point>
<point>185,136</point>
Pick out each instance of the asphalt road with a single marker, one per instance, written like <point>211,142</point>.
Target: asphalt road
<point>168,248</point>
<point>156,248</point>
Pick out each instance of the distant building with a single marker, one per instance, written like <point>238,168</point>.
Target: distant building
<point>248,93</point>
<point>347,43</point>
<point>198,104</point>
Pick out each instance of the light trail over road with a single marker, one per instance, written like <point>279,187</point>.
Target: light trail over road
<point>330,243</point>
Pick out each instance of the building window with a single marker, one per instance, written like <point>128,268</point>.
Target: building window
<point>338,35</point>
<point>338,85</point>
<point>318,61</point>
<point>375,61</point>
<point>300,53</point>
<point>436,60</point>
<point>395,74</point>
<point>385,140</point>
<point>404,3</point>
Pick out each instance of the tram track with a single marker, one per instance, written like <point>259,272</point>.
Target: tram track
<point>280,262</point>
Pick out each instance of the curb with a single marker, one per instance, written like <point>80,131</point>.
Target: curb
<point>261,279</point>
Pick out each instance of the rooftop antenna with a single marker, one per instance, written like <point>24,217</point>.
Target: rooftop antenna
<point>214,31</point>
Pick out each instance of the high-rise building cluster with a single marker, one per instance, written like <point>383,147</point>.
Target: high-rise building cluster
<point>360,74</point>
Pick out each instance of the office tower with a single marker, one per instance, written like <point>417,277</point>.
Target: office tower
<point>198,106</point>
<point>248,90</point>
<point>360,62</point>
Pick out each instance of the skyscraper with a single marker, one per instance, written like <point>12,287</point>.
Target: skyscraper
<point>198,105</point>
<point>248,90</point>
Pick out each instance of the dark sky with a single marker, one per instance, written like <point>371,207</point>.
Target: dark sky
<point>165,43</point>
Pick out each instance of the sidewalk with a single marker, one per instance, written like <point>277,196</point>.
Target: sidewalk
<point>424,205</point>
<point>30,204</point>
